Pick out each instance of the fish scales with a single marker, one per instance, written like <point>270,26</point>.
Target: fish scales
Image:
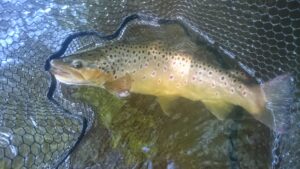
<point>168,73</point>
<point>176,73</point>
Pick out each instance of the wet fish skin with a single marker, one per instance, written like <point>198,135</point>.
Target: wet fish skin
<point>155,69</point>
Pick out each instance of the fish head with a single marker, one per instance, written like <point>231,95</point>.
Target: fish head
<point>79,70</point>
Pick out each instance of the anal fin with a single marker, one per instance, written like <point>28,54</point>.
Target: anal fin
<point>220,109</point>
<point>165,103</point>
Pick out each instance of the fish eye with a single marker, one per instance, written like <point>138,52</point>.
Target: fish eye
<point>77,64</point>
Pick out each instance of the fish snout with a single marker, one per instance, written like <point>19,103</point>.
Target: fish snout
<point>57,67</point>
<point>54,62</point>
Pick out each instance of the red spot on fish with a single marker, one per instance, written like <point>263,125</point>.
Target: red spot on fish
<point>153,73</point>
<point>165,68</point>
<point>159,81</point>
<point>232,90</point>
<point>213,84</point>
<point>171,77</point>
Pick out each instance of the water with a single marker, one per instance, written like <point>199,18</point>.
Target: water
<point>135,133</point>
<point>191,137</point>
<point>142,140</point>
<point>141,135</point>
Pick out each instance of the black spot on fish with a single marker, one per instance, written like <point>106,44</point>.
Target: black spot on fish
<point>222,78</point>
<point>163,56</point>
<point>148,53</point>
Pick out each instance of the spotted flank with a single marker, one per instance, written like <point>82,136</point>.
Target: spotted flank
<point>155,69</point>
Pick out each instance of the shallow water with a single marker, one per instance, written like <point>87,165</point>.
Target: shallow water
<point>138,133</point>
<point>135,133</point>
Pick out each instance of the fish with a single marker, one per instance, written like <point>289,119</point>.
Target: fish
<point>156,69</point>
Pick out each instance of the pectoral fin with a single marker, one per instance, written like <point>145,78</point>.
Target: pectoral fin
<point>165,104</point>
<point>119,86</point>
<point>220,109</point>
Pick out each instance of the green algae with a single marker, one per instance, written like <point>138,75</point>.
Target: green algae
<point>190,136</point>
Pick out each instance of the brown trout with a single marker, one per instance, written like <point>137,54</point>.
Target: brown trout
<point>167,73</point>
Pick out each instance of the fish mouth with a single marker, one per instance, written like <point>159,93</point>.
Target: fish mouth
<point>58,68</point>
<point>65,74</point>
<point>60,72</point>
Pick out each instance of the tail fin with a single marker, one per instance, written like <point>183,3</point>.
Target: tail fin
<point>279,94</point>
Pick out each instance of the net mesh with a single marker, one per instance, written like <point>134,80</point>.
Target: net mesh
<point>263,36</point>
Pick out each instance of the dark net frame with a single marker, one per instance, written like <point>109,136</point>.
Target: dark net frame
<point>263,36</point>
